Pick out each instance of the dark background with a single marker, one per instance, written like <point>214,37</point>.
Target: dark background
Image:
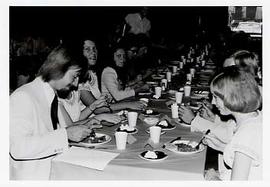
<point>177,22</point>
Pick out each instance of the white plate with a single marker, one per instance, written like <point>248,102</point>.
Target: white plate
<point>132,132</point>
<point>107,137</point>
<point>163,157</point>
<point>172,147</point>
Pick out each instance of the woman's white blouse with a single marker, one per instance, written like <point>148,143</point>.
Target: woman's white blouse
<point>110,85</point>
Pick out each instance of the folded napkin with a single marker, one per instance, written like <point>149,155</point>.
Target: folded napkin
<point>85,157</point>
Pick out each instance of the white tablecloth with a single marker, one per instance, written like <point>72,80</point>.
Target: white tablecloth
<point>129,166</point>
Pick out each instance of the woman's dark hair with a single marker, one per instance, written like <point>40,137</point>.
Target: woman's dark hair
<point>58,62</point>
<point>121,71</point>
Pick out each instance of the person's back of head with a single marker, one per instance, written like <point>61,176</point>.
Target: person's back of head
<point>238,90</point>
<point>246,61</point>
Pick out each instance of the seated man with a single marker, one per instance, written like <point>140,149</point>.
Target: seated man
<point>35,133</point>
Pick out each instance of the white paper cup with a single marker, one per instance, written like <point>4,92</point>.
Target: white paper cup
<point>155,134</point>
<point>121,140</point>
<point>174,109</point>
<point>181,64</point>
<point>203,63</point>
<point>132,119</point>
<point>178,97</point>
<point>189,77</point>
<point>165,82</point>
<point>174,68</point>
<point>158,91</point>
<point>169,76</point>
<point>187,90</point>
<point>192,71</point>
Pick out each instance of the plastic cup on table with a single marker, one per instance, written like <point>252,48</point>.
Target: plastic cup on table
<point>169,76</point>
<point>165,82</point>
<point>155,133</point>
<point>132,119</point>
<point>192,71</point>
<point>189,77</point>
<point>178,97</point>
<point>174,109</point>
<point>158,91</point>
<point>121,140</point>
<point>174,69</point>
<point>187,90</point>
<point>181,64</point>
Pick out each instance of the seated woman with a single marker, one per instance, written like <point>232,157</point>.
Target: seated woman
<point>89,83</point>
<point>237,93</point>
<point>114,78</point>
<point>70,112</point>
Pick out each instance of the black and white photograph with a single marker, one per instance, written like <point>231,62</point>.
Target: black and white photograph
<point>135,92</point>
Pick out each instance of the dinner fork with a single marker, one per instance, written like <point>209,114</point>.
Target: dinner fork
<point>198,145</point>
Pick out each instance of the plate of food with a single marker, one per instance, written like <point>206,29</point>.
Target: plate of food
<point>95,139</point>
<point>161,98</point>
<point>150,112</point>
<point>153,155</point>
<point>151,120</point>
<point>165,125</point>
<point>184,147</point>
<point>159,76</point>
<point>127,128</point>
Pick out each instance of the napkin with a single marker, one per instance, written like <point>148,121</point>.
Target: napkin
<point>85,157</point>
<point>131,139</point>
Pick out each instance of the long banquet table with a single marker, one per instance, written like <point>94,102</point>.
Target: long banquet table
<point>129,166</point>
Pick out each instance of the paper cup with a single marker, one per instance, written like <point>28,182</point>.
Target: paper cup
<point>155,134</point>
<point>192,71</point>
<point>121,140</point>
<point>189,77</point>
<point>169,76</point>
<point>181,64</point>
<point>165,82</point>
<point>174,68</point>
<point>178,97</point>
<point>158,91</point>
<point>187,90</point>
<point>174,109</point>
<point>132,119</point>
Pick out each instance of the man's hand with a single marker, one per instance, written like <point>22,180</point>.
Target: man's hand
<point>77,133</point>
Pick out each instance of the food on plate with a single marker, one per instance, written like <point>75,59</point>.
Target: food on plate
<point>150,154</point>
<point>155,96</point>
<point>149,111</point>
<point>163,123</point>
<point>151,121</point>
<point>126,128</point>
<point>93,138</point>
<point>182,147</point>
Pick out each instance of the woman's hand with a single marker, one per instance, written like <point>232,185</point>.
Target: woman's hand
<point>207,113</point>
<point>111,118</point>
<point>100,102</point>
<point>135,105</point>
<point>213,141</point>
<point>186,114</point>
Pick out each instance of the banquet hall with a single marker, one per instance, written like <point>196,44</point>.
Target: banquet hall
<point>135,93</point>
